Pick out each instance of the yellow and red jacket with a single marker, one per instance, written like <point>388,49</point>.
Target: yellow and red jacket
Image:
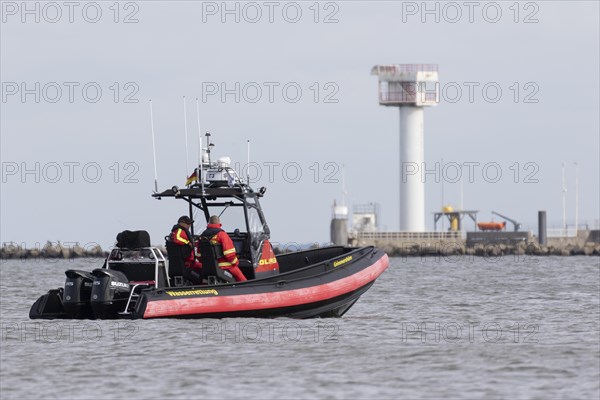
<point>219,236</point>
<point>181,236</point>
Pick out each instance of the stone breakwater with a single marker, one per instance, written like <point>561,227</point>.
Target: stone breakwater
<point>64,251</point>
<point>490,250</point>
<point>56,250</point>
<point>51,250</point>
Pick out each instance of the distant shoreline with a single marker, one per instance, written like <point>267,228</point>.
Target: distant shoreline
<point>11,251</point>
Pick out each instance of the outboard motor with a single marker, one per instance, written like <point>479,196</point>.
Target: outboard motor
<point>48,306</point>
<point>76,297</point>
<point>110,292</point>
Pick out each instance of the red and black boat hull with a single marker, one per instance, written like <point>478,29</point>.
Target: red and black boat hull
<point>325,289</point>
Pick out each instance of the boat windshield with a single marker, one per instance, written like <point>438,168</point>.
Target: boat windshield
<point>232,218</point>
<point>254,221</point>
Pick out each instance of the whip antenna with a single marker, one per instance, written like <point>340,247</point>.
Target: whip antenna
<point>200,151</point>
<point>248,164</point>
<point>187,155</point>
<point>199,134</point>
<point>153,149</point>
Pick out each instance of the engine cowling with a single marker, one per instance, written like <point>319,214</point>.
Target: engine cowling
<point>110,292</point>
<point>77,294</point>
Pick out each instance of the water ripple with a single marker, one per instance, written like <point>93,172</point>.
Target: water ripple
<point>427,329</point>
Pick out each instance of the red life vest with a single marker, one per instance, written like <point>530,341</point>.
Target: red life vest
<point>219,236</point>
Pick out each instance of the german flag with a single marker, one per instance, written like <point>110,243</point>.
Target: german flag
<point>192,178</point>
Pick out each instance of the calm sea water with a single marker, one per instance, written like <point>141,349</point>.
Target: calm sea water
<point>461,328</point>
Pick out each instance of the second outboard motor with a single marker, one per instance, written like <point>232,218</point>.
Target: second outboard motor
<point>110,293</point>
<point>76,297</point>
<point>48,306</point>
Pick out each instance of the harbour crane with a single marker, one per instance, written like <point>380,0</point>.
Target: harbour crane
<point>516,224</point>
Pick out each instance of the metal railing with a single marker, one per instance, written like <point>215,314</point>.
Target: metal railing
<point>562,232</point>
<point>454,235</point>
<point>407,97</point>
<point>395,68</point>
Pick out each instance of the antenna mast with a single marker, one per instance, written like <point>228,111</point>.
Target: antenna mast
<point>208,145</point>
<point>199,135</point>
<point>187,155</point>
<point>200,150</point>
<point>248,164</point>
<point>153,149</point>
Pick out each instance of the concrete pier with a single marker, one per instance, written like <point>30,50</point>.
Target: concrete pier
<point>402,244</point>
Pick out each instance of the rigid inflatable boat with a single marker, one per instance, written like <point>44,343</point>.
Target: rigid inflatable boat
<point>138,280</point>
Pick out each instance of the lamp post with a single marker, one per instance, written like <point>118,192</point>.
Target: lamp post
<point>576,197</point>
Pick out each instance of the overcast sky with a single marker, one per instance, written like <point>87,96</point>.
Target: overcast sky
<point>77,79</point>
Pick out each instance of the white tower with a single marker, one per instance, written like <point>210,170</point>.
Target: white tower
<point>410,87</point>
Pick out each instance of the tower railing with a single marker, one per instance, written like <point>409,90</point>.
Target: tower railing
<point>407,97</point>
<point>407,68</point>
<point>453,235</point>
